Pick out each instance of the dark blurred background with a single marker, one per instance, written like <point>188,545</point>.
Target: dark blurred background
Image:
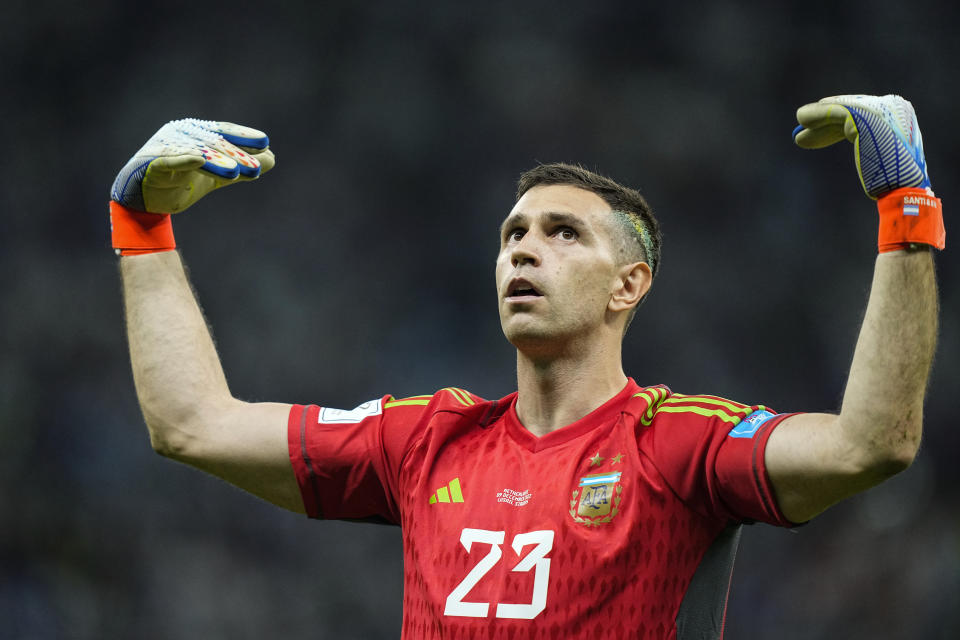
<point>363,265</point>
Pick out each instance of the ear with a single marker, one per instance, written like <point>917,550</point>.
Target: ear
<point>633,282</point>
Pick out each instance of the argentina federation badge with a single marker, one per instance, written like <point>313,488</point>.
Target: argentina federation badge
<point>596,500</point>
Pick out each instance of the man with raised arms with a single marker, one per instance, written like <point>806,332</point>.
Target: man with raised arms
<point>583,501</point>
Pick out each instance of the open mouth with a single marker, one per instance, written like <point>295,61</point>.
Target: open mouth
<point>522,289</point>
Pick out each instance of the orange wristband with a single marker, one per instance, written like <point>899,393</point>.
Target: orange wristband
<point>136,232</point>
<point>910,216</point>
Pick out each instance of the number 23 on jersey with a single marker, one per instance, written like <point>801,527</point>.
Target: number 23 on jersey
<point>535,560</point>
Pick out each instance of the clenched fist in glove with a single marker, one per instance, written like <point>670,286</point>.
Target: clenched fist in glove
<point>181,163</point>
<point>888,150</point>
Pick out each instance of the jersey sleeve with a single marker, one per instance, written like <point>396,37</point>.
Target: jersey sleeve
<point>710,451</point>
<point>346,461</point>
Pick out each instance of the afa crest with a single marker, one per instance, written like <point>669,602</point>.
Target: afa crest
<point>597,499</point>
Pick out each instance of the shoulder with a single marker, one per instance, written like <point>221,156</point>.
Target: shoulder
<point>449,400</point>
<point>419,423</point>
<point>658,405</point>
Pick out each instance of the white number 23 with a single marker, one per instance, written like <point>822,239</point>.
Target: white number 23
<point>535,560</point>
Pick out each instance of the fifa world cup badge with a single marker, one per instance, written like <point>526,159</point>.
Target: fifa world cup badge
<point>596,500</point>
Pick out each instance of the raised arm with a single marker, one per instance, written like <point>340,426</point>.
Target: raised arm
<point>189,410</point>
<point>816,460</point>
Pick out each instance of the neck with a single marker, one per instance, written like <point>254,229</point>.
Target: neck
<point>560,389</point>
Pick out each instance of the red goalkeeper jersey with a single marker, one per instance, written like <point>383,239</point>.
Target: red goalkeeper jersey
<point>623,524</point>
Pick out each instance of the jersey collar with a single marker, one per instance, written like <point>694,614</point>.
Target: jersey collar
<point>602,415</point>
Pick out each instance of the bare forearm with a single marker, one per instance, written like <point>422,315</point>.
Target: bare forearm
<point>816,459</point>
<point>176,369</point>
<point>883,403</point>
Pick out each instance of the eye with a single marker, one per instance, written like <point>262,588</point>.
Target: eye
<point>566,233</point>
<point>514,235</point>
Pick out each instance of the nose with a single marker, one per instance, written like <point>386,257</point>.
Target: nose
<point>525,252</point>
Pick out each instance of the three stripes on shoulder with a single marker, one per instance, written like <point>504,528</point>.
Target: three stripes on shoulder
<point>659,400</point>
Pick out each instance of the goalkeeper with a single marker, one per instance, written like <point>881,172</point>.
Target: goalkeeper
<point>584,503</point>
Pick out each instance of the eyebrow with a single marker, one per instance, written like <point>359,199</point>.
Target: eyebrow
<point>552,217</point>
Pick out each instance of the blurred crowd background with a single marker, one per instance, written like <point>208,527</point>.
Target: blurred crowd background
<point>363,265</point>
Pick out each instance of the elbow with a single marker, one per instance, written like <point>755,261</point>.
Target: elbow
<point>164,424</point>
<point>168,440</point>
<point>185,435</point>
<point>877,445</point>
<point>175,434</point>
<point>890,464</point>
<point>890,458</point>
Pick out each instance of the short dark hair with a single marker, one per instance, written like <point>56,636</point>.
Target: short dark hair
<point>634,215</point>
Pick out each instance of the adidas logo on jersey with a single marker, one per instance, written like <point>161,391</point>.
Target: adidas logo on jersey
<point>449,493</point>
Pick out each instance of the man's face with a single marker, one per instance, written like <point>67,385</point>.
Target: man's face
<point>557,266</point>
